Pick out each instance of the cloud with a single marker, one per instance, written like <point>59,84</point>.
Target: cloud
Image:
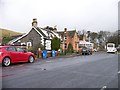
<point>79,14</point>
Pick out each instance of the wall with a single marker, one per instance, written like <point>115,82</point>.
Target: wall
<point>32,37</point>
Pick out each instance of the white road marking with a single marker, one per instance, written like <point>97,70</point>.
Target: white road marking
<point>103,88</point>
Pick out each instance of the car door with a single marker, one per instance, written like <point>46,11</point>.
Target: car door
<point>22,55</point>
<point>13,54</point>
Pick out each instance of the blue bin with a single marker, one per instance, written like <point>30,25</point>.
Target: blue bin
<point>44,54</point>
<point>53,53</point>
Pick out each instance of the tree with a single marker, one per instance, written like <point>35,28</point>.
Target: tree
<point>103,37</point>
<point>114,39</point>
<point>70,48</point>
<point>88,34</point>
<point>81,34</point>
<point>93,36</point>
<point>55,43</point>
<point>6,39</point>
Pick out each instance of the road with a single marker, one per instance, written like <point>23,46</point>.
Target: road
<point>90,71</point>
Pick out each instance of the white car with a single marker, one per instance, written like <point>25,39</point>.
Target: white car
<point>111,48</point>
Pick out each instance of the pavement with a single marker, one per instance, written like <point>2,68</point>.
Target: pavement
<point>99,70</point>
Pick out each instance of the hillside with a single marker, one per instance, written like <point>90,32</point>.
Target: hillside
<point>5,33</point>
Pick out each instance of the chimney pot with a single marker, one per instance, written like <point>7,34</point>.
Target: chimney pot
<point>34,23</point>
<point>65,29</point>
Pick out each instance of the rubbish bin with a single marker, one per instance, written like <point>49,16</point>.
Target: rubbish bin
<point>53,53</point>
<point>44,54</point>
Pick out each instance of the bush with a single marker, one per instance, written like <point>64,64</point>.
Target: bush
<point>30,49</point>
<point>70,48</point>
<point>55,43</point>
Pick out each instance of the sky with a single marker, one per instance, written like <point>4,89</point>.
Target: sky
<point>89,15</point>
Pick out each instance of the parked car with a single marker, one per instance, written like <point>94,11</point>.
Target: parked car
<point>13,54</point>
<point>86,51</point>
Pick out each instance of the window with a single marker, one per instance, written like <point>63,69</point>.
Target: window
<point>19,50</point>
<point>110,45</point>
<point>10,49</point>
<point>29,44</point>
<point>75,45</point>
<point>65,45</point>
<point>23,44</point>
<point>65,37</point>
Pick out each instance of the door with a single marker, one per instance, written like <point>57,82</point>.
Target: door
<point>14,55</point>
<point>23,57</point>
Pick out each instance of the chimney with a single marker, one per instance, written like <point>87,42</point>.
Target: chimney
<point>65,30</point>
<point>34,23</point>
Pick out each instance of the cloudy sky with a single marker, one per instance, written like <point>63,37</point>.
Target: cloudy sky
<point>93,15</point>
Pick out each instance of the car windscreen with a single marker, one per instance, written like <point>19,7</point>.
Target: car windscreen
<point>110,46</point>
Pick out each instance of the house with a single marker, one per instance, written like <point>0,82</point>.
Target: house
<point>69,37</point>
<point>37,37</point>
<point>85,43</point>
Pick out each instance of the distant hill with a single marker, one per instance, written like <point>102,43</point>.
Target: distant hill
<point>5,33</point>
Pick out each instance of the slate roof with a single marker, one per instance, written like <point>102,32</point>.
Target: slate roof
<point>69,33</point>
<point>61,33</point>
<point>40,31</point>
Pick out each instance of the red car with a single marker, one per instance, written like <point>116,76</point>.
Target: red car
<point>13,54</point>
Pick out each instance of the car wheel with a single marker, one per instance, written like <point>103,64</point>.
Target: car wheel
<point>31,59</point>
<point>6,61</point>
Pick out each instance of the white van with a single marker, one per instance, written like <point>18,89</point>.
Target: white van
<point>111,48</point>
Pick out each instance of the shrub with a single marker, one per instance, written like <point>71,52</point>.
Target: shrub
<point>70,48</point>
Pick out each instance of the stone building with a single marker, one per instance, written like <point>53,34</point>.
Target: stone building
<point>37,37</point>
